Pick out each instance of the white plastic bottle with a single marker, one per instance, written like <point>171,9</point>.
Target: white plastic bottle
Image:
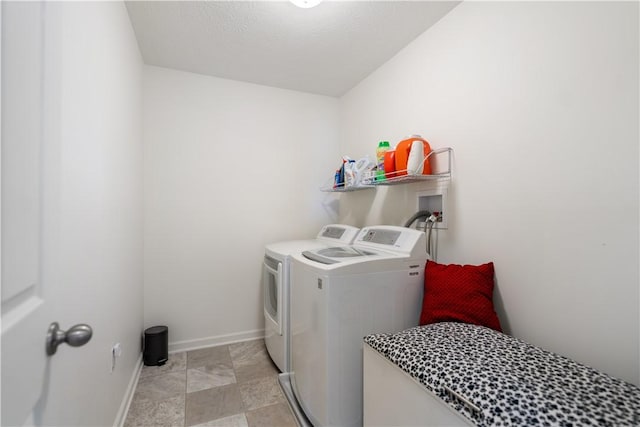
<point>416,158</point>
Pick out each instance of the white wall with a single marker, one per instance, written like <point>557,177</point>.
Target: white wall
<point>93,207</point>
<point>540,103</point>
<point>228,167</point>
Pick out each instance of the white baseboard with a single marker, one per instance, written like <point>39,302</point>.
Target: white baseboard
<point>215,341</point>
<point>128,396</point>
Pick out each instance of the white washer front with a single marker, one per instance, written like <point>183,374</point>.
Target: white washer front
<point>339,296</point>
<point>276,287</point>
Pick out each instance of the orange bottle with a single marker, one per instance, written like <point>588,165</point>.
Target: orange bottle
<point>390,164</point>
<point>402,155</point>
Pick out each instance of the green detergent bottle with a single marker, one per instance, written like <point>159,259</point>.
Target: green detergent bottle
<point>383,146</point>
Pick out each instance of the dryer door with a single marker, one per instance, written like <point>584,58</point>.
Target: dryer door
<point>272,282</point>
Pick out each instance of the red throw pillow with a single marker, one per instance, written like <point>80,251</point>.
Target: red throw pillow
<point>459,293</point>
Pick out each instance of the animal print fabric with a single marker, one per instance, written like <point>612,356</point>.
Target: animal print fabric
<point>506,381</point>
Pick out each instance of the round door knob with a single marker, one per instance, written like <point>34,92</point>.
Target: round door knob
<point>76,336</point>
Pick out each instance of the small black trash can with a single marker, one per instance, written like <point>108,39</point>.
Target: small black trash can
<point>156,343</point>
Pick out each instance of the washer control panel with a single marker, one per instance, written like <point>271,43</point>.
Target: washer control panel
<point>393,238</point>
<point>381,236</point>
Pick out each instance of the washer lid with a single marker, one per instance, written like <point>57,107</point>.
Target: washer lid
<point>335,254</point>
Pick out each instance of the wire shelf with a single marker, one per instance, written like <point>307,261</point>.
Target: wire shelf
<point>404,178</point>
<point>345,189</point>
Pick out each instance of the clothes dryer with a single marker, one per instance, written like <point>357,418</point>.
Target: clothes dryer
<point>340,295</point>
<point>276,286</point>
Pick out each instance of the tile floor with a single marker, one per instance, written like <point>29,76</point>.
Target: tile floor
<point>231,385</point>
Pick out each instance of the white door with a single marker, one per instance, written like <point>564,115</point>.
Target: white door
<point>26,195</point>
<point>23,309</point>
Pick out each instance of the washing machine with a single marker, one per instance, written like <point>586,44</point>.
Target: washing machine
<point>340,295</point>
<point>276,286</point>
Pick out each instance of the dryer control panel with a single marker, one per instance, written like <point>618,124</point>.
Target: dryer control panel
<point>332,232</point>
<point>338,233</point>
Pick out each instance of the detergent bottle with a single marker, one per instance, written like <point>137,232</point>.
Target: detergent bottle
<point>405,161</point>
<point>416,158</point>
<point>383,147</point>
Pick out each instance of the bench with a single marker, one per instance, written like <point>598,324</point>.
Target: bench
<point>460,374</point>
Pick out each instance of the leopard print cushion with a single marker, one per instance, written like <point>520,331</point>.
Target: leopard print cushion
<point>493,379</point>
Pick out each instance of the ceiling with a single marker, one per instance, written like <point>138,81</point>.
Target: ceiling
<point>325,50</point>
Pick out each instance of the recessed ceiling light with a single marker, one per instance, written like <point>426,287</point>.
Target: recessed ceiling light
<point>306,3</point>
